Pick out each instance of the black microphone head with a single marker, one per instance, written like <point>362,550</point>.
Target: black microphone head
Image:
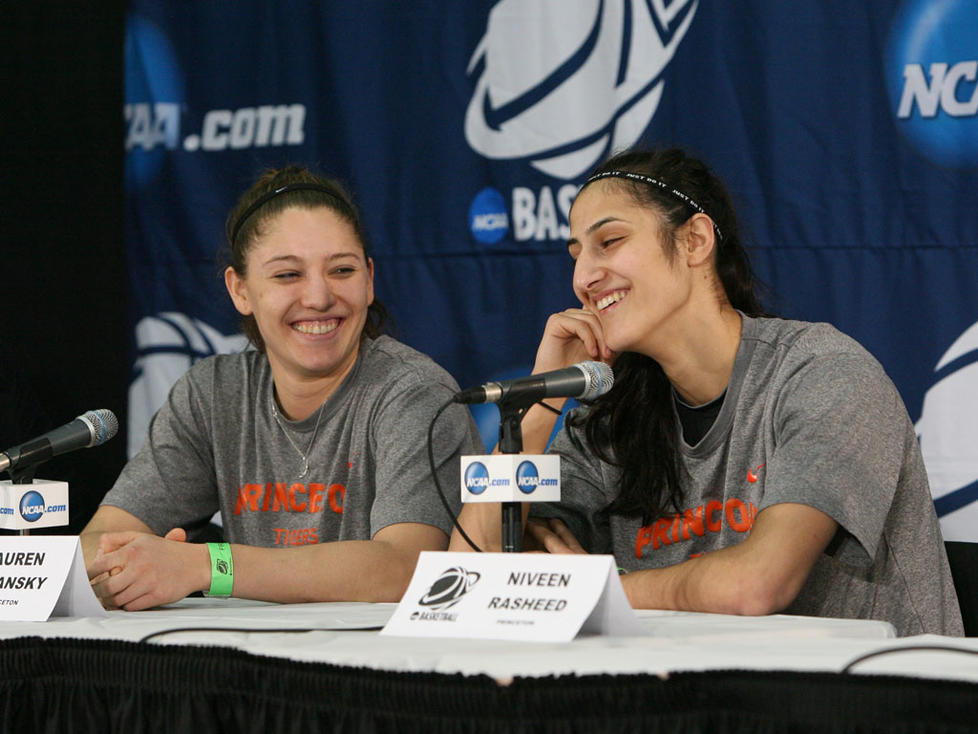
<point>102,424</point>
<point>599,378</point>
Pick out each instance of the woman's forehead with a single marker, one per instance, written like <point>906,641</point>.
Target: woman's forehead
<point>316,227</point>
<point>297,220</point>
<point>600,200</point>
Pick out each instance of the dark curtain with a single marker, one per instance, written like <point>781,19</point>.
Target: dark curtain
<point>63,286</point>
<point>87,686</point>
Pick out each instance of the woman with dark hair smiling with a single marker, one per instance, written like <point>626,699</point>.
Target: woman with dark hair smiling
<point>740,464</point>
<point>312,446</point>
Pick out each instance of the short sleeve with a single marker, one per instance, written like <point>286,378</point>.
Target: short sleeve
<point>405,486</point>
<point>171,481</point>
<point>839,428</point>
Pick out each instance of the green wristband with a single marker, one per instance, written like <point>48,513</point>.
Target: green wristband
<point>222,569</point>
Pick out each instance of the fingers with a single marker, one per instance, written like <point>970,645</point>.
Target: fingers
<point>177,534</point>
<point>539,532</point>
<point>104,575</point>
<point>144,572</point>
<point>125,590</point>
<point>109,542</point>
<point>102,590</point>
<point>133,588</point>
<point>102,564</point>
<point>553,536</point>
<point>571,336</point>
<point>566,537</point>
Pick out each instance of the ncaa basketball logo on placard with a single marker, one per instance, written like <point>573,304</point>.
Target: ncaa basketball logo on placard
<point>445,592</point>
<point>557,85</point>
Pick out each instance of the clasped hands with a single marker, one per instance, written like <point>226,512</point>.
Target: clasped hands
<point>135,570</point>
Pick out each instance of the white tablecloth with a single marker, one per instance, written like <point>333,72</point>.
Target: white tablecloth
<point>675,641</point>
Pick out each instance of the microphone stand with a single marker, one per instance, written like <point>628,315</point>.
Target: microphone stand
<point>511,442</point>
<point>23,475</point>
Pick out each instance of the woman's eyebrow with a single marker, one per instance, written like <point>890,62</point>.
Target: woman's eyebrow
<point>594,227</point>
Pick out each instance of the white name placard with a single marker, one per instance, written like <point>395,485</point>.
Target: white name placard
<point>513,596</point>
<point>43,504</point>
<point>510,478</point>
<point>43,576</point>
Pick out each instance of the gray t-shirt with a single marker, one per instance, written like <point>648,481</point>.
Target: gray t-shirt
<point>216,445</point>
<point>809,417</point>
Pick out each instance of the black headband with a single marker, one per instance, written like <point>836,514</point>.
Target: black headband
<point>656,182</point>
<point>341,204</point>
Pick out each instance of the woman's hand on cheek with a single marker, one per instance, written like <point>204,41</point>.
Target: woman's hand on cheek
<point>571,336</point>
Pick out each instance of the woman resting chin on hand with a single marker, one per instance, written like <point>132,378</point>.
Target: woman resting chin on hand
<point>740,464</point>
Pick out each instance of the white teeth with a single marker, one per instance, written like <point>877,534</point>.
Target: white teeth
<point>609,299</point>
<point>316,327</point>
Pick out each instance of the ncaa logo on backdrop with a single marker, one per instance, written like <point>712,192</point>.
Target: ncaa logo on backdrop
<point>488,218</point>
<point>558,85</point>
<point>158,119</point>
<point>932,78</point>
<point>947,428</point>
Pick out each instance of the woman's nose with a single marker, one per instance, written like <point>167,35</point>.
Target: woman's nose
<point>587,274</point>
<point>317,293</point>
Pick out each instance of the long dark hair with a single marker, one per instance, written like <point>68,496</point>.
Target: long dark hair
<point>275,191</point>
<point>633,426</point>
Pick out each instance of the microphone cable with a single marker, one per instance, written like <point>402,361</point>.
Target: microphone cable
<point>257,630</point>
<point>434,475</point>
<point>848,669</point>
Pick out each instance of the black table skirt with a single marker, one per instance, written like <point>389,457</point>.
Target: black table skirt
<point>65,685</point>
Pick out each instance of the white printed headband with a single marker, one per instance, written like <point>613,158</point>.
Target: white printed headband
<point>656,182</point>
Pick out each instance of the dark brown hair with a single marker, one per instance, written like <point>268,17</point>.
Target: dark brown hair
<point>633,426</point>
<point>277,190</point>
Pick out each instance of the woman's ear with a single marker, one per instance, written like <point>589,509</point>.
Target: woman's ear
<point>700,240</point>
<point>370,280</point>
<point>237,290</point>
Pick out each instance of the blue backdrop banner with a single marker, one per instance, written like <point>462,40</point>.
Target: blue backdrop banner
<point>848,133</point>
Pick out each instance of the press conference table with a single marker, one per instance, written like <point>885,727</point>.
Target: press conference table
<point>690,672</point>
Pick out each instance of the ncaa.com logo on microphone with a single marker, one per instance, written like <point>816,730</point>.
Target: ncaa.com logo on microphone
<point>32,506</point>
<point>558,84</point>
<point>528,478</point>
<point>476,477</point>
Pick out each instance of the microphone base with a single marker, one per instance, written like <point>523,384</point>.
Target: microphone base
<point>23,474</point>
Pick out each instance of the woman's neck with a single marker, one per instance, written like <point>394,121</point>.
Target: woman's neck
<point>700,368</point>
<point>299,396</point>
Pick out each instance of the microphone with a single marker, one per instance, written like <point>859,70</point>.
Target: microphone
<point>91,429</point>
<point>584,380</point>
